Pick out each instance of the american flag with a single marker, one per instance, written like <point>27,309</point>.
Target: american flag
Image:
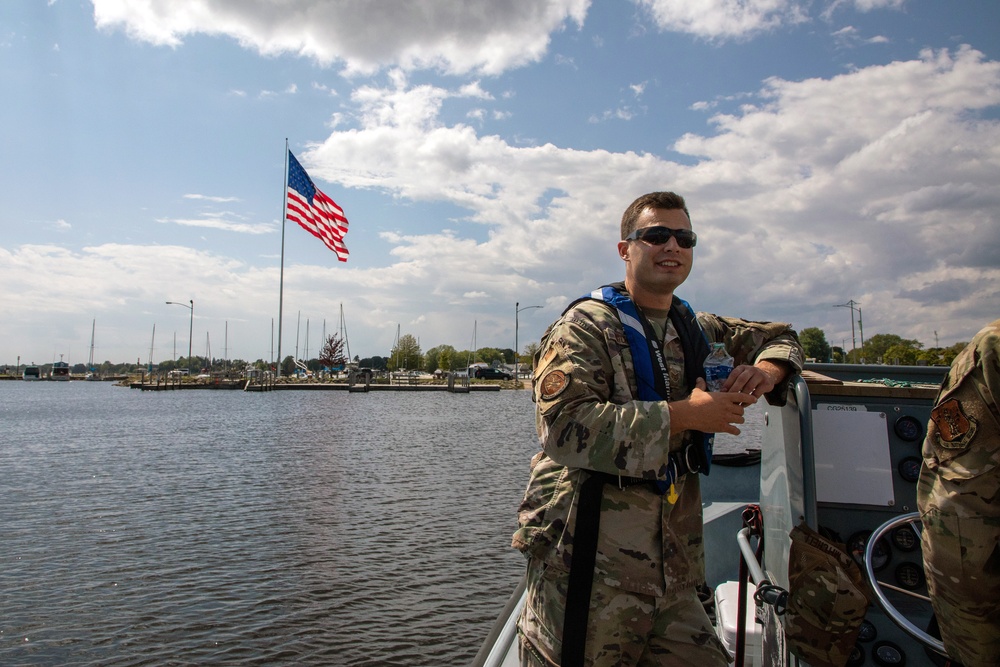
<point>314,211</point>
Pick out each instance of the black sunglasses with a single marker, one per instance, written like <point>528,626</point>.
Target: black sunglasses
<point>660,235</point>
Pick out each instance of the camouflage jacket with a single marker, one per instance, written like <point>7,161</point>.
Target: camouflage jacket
<point>588,418</point>
<point>958,494</point>
<point>962,448</point>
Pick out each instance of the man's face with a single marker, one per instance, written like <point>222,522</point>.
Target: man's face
<point>656,269</point>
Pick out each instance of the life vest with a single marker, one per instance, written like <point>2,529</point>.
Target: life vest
<point>650,365</point>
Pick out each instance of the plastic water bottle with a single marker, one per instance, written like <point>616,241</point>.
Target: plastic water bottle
<point>718,366</point>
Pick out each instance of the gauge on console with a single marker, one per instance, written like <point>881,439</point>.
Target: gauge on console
<point>880,553</point>
<point>904,539</point>
<point>867,632</point>
<point>887,653</point>
<point>909,576</point>
<point>908,429</point>
<point>909,469</point>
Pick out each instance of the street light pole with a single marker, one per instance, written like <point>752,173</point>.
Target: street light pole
<point>517,310</point>
<point>190,326</point>
<point>851,304</point>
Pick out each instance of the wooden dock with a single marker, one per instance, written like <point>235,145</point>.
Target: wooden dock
<point>341,386</point>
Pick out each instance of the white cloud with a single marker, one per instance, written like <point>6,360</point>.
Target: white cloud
<point>211,198</point>
<point>869,5</point>
<point>216,221</point>
<point>739,19</point>
<point>454,36</point>
<point>874,185</point>
<point>722,19</point>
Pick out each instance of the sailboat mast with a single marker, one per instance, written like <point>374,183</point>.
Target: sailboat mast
<point>151,341</point>
<point>90,362</point>
<point>343,333</point>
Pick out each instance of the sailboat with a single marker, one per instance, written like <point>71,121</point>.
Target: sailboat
<point>472,364</point>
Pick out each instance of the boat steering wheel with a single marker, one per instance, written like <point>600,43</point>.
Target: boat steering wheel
<point>913,518</point>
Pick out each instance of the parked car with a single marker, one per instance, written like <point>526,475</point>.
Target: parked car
<point>492,374</point>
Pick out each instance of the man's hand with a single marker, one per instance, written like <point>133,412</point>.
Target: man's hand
<point>758,379</point>
<point>709,412</point>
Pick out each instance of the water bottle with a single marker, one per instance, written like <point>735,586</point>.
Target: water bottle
<point>718,366</point>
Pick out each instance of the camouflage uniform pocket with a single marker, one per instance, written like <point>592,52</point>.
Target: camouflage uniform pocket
<point>826,600</point>
<point>541,622</point>
<point>965,545</point>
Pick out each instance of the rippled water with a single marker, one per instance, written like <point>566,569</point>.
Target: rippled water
<point>220,527</point>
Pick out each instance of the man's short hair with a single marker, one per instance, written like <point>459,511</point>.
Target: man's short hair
<point>664,200</point>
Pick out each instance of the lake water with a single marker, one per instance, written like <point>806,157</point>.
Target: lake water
<point>223,528</point>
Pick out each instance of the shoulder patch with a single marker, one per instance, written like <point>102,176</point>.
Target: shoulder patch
<point>955,428</point>
<point>553,384</point>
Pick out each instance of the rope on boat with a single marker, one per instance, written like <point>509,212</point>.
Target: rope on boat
<point>888,382</point>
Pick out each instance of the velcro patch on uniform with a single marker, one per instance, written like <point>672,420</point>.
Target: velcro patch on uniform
<point>617,337</point>
<point>955,428</point>
<point>553,384</point>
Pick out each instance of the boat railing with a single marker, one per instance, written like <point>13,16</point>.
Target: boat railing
<point>499,643</point>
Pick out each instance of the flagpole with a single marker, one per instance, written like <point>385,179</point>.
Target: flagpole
<point>281,280</point>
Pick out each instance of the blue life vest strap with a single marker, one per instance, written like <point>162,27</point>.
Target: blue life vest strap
<point>652,379</point>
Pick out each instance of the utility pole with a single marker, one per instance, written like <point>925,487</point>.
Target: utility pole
<point>851,304</point>
<point>861,331</point>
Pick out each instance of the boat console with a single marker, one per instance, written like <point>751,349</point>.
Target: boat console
<point>844,456</point>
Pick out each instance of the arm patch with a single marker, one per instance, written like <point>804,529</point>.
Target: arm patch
<point>553,384</point>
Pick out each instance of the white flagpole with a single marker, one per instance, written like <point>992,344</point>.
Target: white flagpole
<point>281,280</point>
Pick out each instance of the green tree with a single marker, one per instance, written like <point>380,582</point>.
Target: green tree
<point>527,358</point>
<point>439,358</point>
<point>406,355</point>
<point>875,348</point>
<point>814,343</point>
<point>448,358</point>
<point>900,355</point>
<point>948,354</point>
<point>489,355</point>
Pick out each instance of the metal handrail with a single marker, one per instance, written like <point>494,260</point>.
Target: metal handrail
<point>749,556</point>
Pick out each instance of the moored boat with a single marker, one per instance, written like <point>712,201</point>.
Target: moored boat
<point>842,456</point>
<point>60,371</point>
<point>31,372</point>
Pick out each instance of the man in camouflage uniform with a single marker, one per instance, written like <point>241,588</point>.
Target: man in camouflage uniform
<point>644,606</point>
<point>959,499</point>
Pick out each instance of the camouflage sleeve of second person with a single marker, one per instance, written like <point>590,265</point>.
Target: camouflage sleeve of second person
<point>587,416</point>
<point>749,342</point>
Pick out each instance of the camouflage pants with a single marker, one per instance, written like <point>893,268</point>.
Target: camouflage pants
<point>962,564</point>
<point>624,628</point>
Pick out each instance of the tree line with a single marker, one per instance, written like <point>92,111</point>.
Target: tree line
<point>407,355</point>
<point>878,349</point>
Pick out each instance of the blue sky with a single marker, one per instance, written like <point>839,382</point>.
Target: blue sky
<point>483,151</point>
